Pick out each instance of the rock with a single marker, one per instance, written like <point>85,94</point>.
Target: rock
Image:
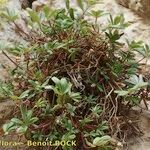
<point>141,7</point>
<point>34,4</point>
<point>26,3</point>
<point>7,34</point>
<point>6,109</point>
<point>37,5</point>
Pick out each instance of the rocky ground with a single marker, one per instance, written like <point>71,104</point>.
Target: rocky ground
<point>139,30</point>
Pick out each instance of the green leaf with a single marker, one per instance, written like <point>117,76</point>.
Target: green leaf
<point>85,121</point>
<point>49,87</point>
<point>16,121</point>
<point>103,126</point>
<point>33,120</point>
<point>137,81</point>
<point>46,10</point>
<point>135,45</point>
<point>56,107</point>
<point>96,110</point>
<point>121,92</point>
<point>22,129</point>
<point>96,13</point>
<point>68,136</point>
<point>71,12</point>
<point>75,96</point>
<point>49,12</point>
<point>80,4</point>
<point>34,16</point>
<point>144,51</point>
<point>41,103</point>
<point>10,15</point>
<point>93,2</point>
<point>71,109</point>
<point>55,80</point>
<point>65,88</point>
<point>89,143</point>
<point>29,114</point>
<point>67,4</point>
<point>117,20</point>
<point>101,141</point>
<point>24,94</point>
<point>9,127</point>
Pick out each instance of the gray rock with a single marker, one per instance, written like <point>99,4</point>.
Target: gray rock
<point>141,7</point>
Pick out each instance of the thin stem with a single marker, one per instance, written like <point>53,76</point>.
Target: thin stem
<point>11,60</point>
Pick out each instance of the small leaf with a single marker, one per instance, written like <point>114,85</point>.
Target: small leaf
<point>80,4</point>
<point>16,121</point>
<point>22,129</point>
<point>89,143</point>
<point>34,16</point>
<point>97,13</point>
<point>71,12</point>
<point>85,121</point>
<point>24,94</point>
<point>49,87</point>
<point>75,96</point>
<point>67,4</point>
<point>137,81</point>
<point>8,127</point>
<point>101,141</point>
<point>10,15</point>
<point>33,120</point>
<point>29,114</point>
<point>121,92</point>
<point>117,20</point>
<point>55,80</point>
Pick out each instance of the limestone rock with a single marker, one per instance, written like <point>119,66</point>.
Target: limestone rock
<point>6,110</point>
<point>26,3</point>
<point>38,4</point>
<point>141,7</point>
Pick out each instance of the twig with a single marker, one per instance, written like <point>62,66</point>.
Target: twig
<point>11,60</point>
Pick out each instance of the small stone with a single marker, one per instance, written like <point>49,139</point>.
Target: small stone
<point>37,5</point>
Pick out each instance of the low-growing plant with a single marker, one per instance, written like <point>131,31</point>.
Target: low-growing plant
<point>76,81</point>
